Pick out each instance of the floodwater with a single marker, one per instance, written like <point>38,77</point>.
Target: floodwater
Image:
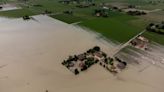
<point>149,65</point>
<point>7,7</point>
<point>31,53</point>
<point>154,55</point>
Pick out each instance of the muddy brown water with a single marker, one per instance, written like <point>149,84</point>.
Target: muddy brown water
<point>31,53</point>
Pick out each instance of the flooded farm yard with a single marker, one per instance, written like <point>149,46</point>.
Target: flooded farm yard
<point>31,53</point>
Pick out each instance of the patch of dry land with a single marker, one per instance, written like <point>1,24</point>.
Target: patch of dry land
<point>152,16</point>
<point>31,53</point>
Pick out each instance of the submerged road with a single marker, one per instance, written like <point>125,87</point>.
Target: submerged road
<point>118,49</point>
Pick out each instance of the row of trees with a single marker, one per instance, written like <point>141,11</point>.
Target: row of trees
<point>77,1</point>
<point>134,13</point>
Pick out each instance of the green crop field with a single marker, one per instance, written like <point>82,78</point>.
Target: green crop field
<point>155,37</point>
<point>117,27</point>
<point>67,18</point>
<point>17,13</point>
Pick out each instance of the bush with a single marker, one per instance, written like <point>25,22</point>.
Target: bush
<point>84,68</point>
<point>1,7</point>
<point>96,48</point>
<point>124,63</point>
<point>89,63</point>
<point>76,72</point>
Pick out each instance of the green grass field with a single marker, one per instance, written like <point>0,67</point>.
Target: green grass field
<point>17,13</point>
<point>117,27</point>
<point>68,18</point>
<point>155,37</point>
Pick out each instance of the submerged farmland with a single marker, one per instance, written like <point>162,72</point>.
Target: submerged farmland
<point>45,43</point>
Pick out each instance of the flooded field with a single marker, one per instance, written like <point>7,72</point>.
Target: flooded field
<point>31,53</point>
<point>7,7</point>
<point>153,56</point>
<point>149,65</point>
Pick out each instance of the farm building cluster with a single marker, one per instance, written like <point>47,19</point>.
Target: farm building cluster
<point>129,9</point>
<point>140,42</point>
<point>157,28</point>
<point>82,62</point>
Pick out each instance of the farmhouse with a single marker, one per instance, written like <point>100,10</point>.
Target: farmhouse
<point>140,42</point>
<point>103,12</point>
<point>156,28</point>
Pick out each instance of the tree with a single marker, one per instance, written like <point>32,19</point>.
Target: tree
<point>151,24</point>
<point>96,48</point>
<point>76,72</point>
<point>1,7</point>
<point>162,22</point>
<point>24,1</point>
